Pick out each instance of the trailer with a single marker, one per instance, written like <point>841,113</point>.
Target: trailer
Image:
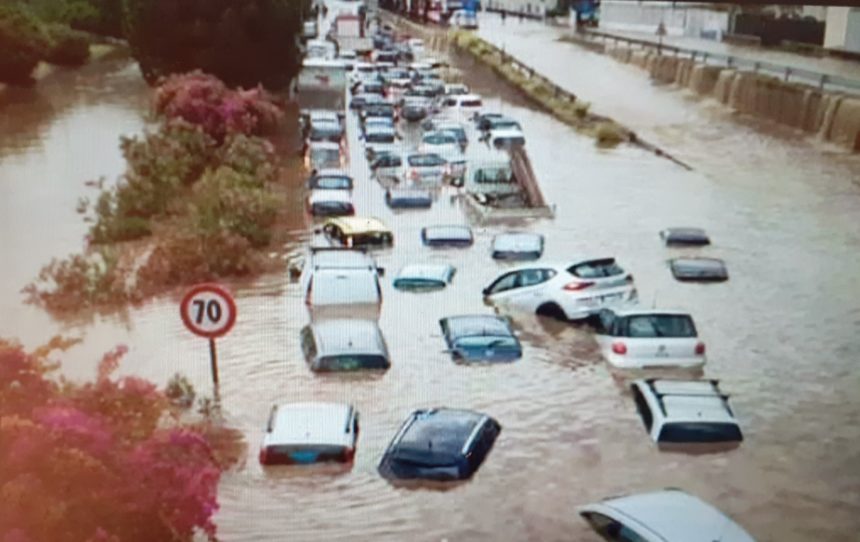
<point>321,84</point>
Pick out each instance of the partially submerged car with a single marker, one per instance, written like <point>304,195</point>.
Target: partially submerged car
<point>506,138</point>
<point>661,516</point>
<point>439,444</point>
<point>447,236</point>
<point>685,411</point>
<point>304,433</point>
<point>335,258</point>
<point>685,237</point>
<point>323,203</point>
<point>640,338</point>
<point>482,337</point>
<point>699,269</point>
<point>425,168</point>
<point>408,198</point>
<point>517,246</point>
<point>357,232</point>
<point>415,108</point>
<point>568,291</point>
<point>424,276</point>
<point>324,155</point>
<point>343,288</point>
<point>335,345</point>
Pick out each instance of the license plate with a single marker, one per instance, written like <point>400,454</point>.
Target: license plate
<point>661,352</point>
<point>304,456</point>
<point>610,297</point>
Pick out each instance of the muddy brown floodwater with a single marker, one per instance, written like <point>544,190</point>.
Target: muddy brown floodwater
<point>782,334</point>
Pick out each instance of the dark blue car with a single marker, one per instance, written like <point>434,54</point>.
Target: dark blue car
<point>439,444</point>
<point>483,337</point>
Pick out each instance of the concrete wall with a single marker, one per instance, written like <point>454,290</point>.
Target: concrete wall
<point>833,117</point>
<point>842,30</point>
<point>696,20</point>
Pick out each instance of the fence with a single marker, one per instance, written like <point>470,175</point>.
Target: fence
<point>823,81</point>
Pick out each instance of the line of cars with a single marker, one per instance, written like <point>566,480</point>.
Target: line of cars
<point>445,444</point>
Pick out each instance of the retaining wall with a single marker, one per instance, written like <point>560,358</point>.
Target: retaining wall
<point>833,117</point>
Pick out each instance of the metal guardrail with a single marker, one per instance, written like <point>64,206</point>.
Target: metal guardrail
<point>824,81</point>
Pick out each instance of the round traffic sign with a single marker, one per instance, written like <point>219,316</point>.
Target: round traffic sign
<point>208,310</point>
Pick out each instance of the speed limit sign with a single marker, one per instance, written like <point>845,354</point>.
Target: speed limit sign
<point>208,310</point>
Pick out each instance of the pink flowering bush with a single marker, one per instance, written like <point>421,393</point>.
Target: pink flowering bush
<point>103,461</point>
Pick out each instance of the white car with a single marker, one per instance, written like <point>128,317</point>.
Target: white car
<point>443,143</point>
<point>456,89</point>
<point>662,516</point>
<point>305,433</point>
<point>461,106</point>
<point>362,71</point>
<point>506,138</point>
<point>330,203</point>
<point>424,168</point>
<point>637,338</point>
<point>686,412</point>
<point>416,46</point>
<point>568,291</point>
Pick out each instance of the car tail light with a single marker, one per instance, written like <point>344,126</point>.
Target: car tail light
<point>619,348</point>
<point>700,348</point>
<point>263,456</point>
<point>576,286</point>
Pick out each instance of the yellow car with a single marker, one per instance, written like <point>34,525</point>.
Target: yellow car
<point>357,232</point>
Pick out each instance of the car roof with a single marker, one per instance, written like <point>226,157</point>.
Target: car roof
<point>320,195</point>
<point>447,232</point>
<point>468,97</point>
<point>310,423</point>
<point>518,242</point>
<point>432,271</point>
<point>353,224</point>
<point>442,431</point>
<point>690,400</point>
<point>348,336</point>
<point>379,129</point>
<point>478,325</point>
<point>341,258</point>
<point>446,133</point>
<point>674,516</point>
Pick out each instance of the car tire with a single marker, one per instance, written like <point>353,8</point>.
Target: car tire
<point>552,310</point>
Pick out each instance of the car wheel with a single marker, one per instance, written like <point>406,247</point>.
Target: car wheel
<point>551,310</point>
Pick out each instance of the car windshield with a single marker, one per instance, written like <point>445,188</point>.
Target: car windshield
<point>484,342</point>
<point>700,432</point>
<point>426,160</point>
<point>440,138</point>
<point>352,362</point>
<point>660,325</point>
<point>325,155</point>
<point>494,175</point>
<point>505,124</point>
<point>333,183</point>
<point>371,238</point>
<point>319,132</point>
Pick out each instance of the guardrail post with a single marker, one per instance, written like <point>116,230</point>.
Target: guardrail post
<point>823,81</point>
<point>787,74</point>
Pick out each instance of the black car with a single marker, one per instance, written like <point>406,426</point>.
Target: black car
<point>685,236</point>
<point>699,269</point>
<point>439,444</point>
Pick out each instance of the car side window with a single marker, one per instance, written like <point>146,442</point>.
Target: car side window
<point>604,525</point>
<point>505,282</point>
<point>531,277</point>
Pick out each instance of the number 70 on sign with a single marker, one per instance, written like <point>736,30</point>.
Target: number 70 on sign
<point>208,310</point>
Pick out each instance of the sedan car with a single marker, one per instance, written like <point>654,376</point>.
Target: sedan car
<point>661,516</point>
<point>329,130</point>
<point>645,338</point>
<point>439,444</point>
<point>415,108</point>
<point>447,236</point>
<point>304,433</point>
<point>699,269</point>
<point>424,276</point>
<point>483,337</point>
<point>330,203</point>
<point>517,246</point>
<point>567,291</point>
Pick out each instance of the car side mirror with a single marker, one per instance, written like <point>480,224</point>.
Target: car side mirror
<point>486,291</point>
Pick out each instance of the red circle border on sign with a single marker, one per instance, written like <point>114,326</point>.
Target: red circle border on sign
<point>216,289</point>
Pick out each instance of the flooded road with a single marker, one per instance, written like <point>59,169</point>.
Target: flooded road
<point>782,334</point>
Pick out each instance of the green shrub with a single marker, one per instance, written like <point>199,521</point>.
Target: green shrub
<point>23,43</point>
<point>249,155</point>
<point>110,227</point>
<point>79,282</point>
<point>67,47</point>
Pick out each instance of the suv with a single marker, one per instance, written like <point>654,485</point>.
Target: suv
<point>636,338</point>
<point>568,291</point>
<point>344,345</point>
<point>302,433</point>
<point>685,411</point>
<point>440,444</point>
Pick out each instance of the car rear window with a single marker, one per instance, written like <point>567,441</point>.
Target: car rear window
<point>325,155</point>
<point>303,454</point>
<point>660,325</point>
<point>426,160</point>
<point>409,283</point>
<point>373,238</point>
<point>332,207</point>
<point>352,362</point>
<point>499,142</point>
<point>484,342</point>
<point>334,183</point>
<point>700,432</point>
<point>491,175</point>
<point>596,269</point>
<point>470,103</point>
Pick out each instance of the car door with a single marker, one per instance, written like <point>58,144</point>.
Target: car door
<point>522,288</point>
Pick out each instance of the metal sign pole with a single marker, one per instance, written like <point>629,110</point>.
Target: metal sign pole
<point>213,360</point>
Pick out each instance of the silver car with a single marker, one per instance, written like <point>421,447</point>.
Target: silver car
<point>344,345</point>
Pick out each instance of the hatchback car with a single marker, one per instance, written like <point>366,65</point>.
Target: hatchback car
<point>661,516</point>
<point>357,232</point>
<point>344,345</point>
<point>443,143</point>
<point>330,203</point>
<point>483,337</point>
<point>517,246</point>
<point>428,276</point>
<point>440,444</point>
<point>646,338</point>
<point>304,433</point>
<point>408,198</point>
<point>685,236</point>
<point>323,155</point>
<point>447,236</point>
<point>685,411</point>
<point>330,179</point>
<point>341,288</point>
<point>425,168</point>
<point>568,291</point>
<point>699,269</point>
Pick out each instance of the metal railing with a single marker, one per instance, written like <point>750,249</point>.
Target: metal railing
<point>792,74</point>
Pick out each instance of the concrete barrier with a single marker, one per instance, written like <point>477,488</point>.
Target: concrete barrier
<point>844,127</point>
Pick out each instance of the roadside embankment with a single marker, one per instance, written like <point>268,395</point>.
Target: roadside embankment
<point>833,116</point>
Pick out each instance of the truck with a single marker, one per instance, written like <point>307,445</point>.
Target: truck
<point>348,31</point>
<point>321,84</point>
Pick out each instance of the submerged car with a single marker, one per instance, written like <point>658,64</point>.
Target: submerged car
<point>440,444</point>
<point>685,411</point>
<point>661,516</point>
<point>324,155</point>
<point>517,246</point>
<point>304,433</point>
<point>408,198</point>
<point>685,237</point>
<point>330,203</point>
<point>336,258</point>
<point>426,168</point>
<point>424,276</point>
<point>699,269</point>
<point>639,338</point>
<point>482,337</point>
<point>344,345</point>
<point>447,236</point>
<point>567,291</point>
<point>357,232</point>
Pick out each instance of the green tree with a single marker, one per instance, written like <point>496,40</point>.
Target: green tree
<point>243,42</point>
